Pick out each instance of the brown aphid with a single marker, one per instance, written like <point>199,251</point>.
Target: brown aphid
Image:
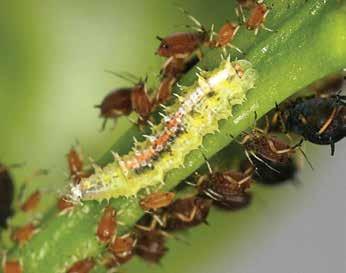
<point>259,144</point>
<point>82,266</point>
<point>181,44</point>
<point>12,267</point>
<point>32,202</point>
<point>23,234</point>
<point>64,204</point>
<point>225,36</point>
<point>107,226</point>
<point>257,17</point>
<point>227,189</point>
<point>75,162</point>
<point>117,103</point>
<point>187,212</point>
<point>76,166</point>
<point>122,248</point>
<point>157,200</point>
<point>150,245</point>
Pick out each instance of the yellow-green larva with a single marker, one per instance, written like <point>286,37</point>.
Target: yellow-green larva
<point>195,113</point>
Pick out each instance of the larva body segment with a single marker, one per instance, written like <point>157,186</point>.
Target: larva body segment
<point>194,114</point>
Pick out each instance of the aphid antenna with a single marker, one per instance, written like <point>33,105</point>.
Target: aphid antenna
<point>212,33</point>
<point>11,166</point>
<point>125,76</point>
<point>210,170</point>
<point>298,145</point>
<point>192,18</point>
<point>103,126</point>
<point>190,183</point>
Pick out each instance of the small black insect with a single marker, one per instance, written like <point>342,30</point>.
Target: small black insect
<point>6,194</point>
<point>320,120</point>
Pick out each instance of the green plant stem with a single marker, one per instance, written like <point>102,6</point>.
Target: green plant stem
<point>305,47</point>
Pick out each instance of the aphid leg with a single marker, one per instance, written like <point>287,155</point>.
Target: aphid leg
<point>210,170</point>
<point>265,163</point>
<point>199,54</point>
<point>328,122</point>
<point>104,123</point>
<point>240,13</point>
<point>299,147</point>
<point>236,48</point>
<point>185,218</point>
<point>193,19</point>
<point>264,17</point>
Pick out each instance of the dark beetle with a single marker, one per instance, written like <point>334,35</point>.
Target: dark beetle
<point>319,120</point>
<point>6,195</point>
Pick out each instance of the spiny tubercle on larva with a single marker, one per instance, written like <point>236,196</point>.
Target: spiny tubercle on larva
<point>194,114</point>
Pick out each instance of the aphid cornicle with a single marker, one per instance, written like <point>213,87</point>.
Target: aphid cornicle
<point>227,189</point>
<point>319,120</point>
<point>107,226</point>
<point>82,266</point>
<point>150,245</point>
<point>187,212</point>
<point>6,195</point>
<point>12,267</point>
<point>157,200</point>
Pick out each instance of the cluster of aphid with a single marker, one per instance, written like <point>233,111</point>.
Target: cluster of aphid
<point>320,119</point>
<point>182,51</point>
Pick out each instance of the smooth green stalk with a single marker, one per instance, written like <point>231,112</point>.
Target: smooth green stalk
<point>307,45</point>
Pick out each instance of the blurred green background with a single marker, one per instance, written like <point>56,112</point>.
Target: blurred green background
<point>52,60</point>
